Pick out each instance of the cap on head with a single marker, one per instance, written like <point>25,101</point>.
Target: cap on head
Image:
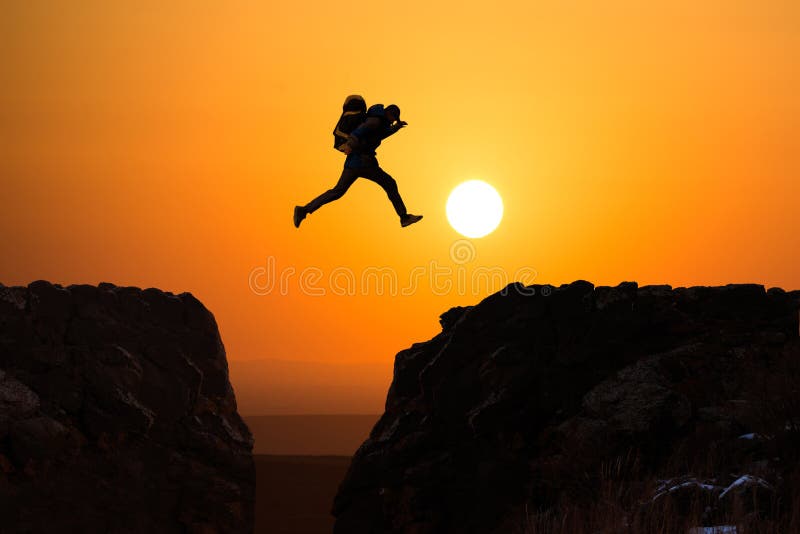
<point>394,110</point>
<point>354,103</point>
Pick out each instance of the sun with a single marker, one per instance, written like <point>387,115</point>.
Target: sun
<point>474,208</point>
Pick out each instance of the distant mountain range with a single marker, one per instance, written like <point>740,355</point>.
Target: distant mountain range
<point>314,435</point>
<point>287,387</point>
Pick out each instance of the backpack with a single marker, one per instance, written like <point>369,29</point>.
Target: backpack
<point>354,112</point>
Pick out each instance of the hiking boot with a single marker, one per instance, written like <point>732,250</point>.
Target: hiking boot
<point>299,214</point>
<point>407,219</point>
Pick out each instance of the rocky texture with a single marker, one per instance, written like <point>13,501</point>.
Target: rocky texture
<point>524,399</point>
<point>116,414</point>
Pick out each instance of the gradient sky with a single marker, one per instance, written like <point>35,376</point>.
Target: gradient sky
<point>164,145</point>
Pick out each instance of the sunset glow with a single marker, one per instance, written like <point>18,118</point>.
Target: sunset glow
<point>165,144</point>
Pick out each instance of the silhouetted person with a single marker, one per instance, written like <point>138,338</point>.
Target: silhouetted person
<point>361,162</point>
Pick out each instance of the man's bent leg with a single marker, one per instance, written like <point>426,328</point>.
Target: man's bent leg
<point>345,181</point>
<point>382,178</point>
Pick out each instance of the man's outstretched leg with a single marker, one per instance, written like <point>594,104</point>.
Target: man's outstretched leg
<point>383,179</point>
<point>345,181</point>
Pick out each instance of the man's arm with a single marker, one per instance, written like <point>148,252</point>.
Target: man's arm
<point>394,128</point>
<point>369,125</point>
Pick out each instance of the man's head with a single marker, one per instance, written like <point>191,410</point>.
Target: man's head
<point>354,103</point>
<point>392,113</point>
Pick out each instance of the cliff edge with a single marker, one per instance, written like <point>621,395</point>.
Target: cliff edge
<point>543,405</point>
<point>116,414</point>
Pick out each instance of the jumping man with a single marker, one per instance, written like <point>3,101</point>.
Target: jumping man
<point>361,162</point>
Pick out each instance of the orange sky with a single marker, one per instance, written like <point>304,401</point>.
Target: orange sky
<point>165,144</point>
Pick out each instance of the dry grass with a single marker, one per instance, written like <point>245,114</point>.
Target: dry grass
<point>627,505</point>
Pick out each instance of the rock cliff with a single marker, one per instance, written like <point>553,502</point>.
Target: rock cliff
<point>535,398</point>
<point>116,414</point>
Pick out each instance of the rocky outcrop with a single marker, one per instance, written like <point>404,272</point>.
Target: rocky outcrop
<point>116,414</point>
<point>524,399</point>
